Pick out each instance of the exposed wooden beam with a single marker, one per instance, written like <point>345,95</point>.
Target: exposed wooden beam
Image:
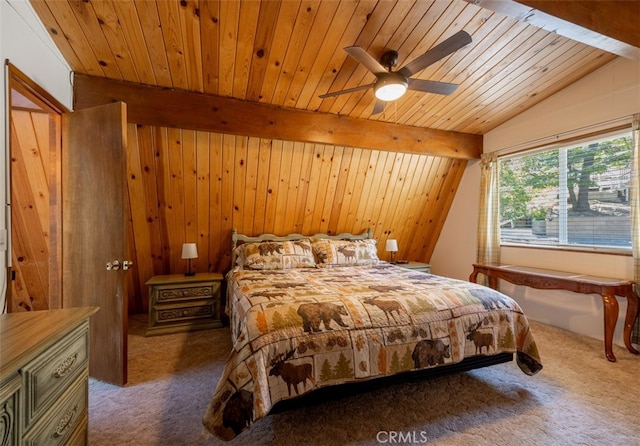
<point>619,19</point>
<point>182,109</point>
<point>611,26</point>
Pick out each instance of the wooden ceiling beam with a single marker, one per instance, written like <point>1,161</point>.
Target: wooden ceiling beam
<point>616,19</point>
<point>149,105</point>
<point>611,26</point>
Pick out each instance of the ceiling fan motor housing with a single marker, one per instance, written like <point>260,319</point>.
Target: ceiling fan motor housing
<point>389,59</point>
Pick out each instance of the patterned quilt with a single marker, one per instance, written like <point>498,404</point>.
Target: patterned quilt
<point>295,330</point>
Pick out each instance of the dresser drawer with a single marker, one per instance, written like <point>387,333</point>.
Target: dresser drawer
<point>67,419</point>
<point>172,293</point>
<point>46,377</point>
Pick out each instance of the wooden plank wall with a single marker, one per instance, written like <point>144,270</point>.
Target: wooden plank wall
<point>30,202</point>
<point>194,186</point>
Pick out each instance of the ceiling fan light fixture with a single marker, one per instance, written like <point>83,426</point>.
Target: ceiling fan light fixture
<point>390,87</point>
<point>390,92</point>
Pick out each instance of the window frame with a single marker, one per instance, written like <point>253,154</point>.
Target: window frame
<point>568,143</point>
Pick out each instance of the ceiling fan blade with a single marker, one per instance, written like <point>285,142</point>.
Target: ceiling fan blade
<point>365,59</point>
<point>431,86</point>
<point>378,107</point>
<point>348,90</point>
<point>444,48</point>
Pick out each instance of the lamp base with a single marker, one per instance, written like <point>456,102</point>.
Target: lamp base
<point>189,272</point>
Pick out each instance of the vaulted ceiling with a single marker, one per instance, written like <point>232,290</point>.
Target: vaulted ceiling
<point>287,53</point>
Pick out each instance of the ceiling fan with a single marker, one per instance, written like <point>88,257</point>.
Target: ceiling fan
<point>391,85</point>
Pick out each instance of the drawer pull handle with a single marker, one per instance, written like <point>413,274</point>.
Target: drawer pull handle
<point>66,422</point>
<point>66,366</point>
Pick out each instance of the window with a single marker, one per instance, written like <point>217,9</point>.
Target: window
<point>575,195</point>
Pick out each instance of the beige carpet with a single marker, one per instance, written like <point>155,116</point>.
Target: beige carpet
<point>579,398</point>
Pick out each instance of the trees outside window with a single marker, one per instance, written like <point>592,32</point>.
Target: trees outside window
<point>580,191</point>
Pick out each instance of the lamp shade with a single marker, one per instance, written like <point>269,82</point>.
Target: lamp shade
<point>189,251</point>
<point>392,245</point>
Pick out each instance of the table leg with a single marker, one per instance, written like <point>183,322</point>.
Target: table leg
<point>630,319</point>
<point>610,319</point>
<point>492,281</point>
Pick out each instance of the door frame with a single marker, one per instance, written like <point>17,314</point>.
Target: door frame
<point>21,84</point>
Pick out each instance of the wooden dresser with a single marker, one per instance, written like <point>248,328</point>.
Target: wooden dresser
<point>179,303</point>
<point>44,372</point>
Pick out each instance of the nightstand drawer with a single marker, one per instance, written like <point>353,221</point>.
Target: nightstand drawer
<point>170,293</point>
<point>64,419</point>
<point>48,375</point>
<point>180,313</point>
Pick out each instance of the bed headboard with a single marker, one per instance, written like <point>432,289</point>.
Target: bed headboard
<point>239,239</point>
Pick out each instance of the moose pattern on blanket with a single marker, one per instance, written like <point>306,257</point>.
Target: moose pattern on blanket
<point>295,330</point>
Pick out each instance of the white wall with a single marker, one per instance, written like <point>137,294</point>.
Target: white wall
<point>610,93</point>
<point>25,43</point>
<point>455,250</point>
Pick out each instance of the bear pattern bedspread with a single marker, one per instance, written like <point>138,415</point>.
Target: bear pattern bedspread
<point>295,330</point>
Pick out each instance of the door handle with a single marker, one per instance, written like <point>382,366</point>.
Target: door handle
<point>115,265</point>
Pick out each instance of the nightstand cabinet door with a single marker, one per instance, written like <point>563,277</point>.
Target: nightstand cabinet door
<point>179,303</point>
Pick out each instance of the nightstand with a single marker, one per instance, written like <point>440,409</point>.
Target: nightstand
<point>416,266</point>
<point>179,303</point>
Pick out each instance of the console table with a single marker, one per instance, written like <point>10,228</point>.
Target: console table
<point>556,280</point>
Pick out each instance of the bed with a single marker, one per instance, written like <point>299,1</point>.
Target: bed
<point>310,312</point>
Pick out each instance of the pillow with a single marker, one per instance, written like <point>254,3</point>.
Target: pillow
<point>276,255</point>
<point>345,252</point>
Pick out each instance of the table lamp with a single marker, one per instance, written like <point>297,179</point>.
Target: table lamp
<point>392,247</point>
<point>189,251</point>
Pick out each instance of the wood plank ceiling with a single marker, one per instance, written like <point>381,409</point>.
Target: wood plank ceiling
<point>287,53</point>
